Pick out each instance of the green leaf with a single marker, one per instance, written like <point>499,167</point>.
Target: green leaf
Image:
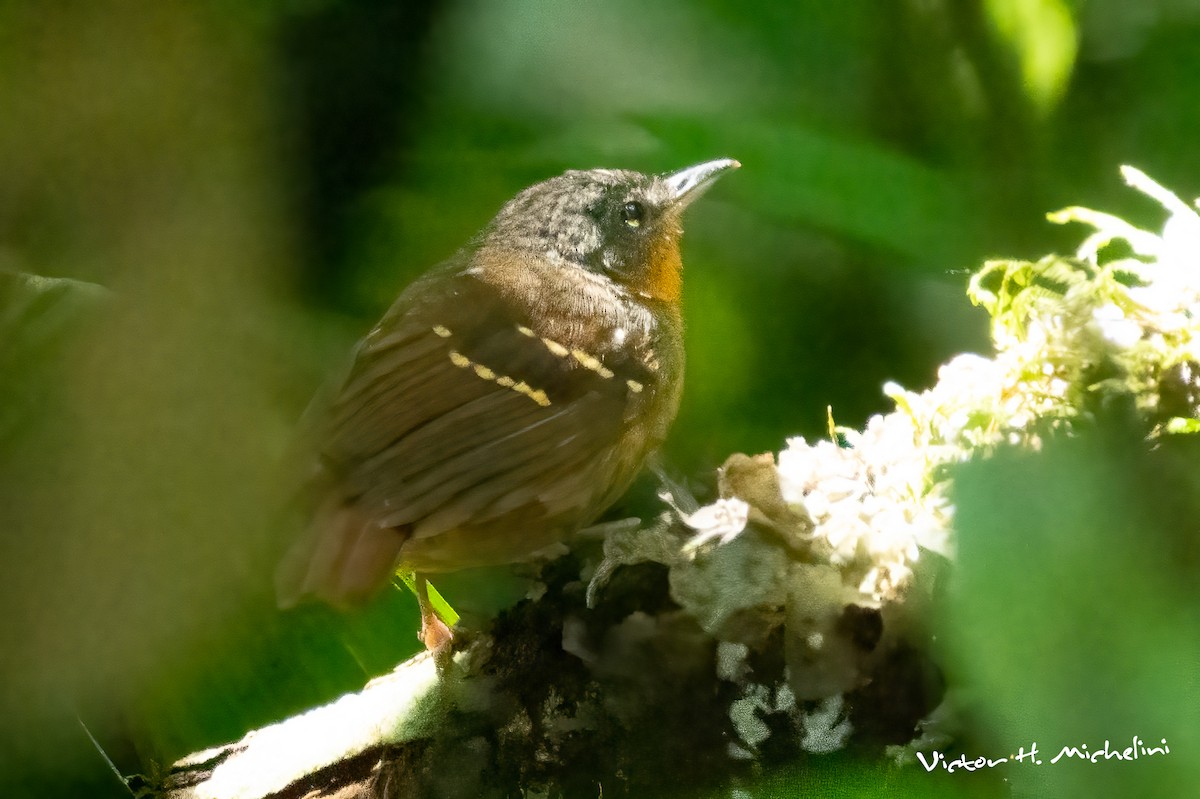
<point>447,613</point>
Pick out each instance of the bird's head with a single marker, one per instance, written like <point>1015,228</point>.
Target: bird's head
<point>615,223</point>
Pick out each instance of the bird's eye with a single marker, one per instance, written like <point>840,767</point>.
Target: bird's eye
<point>632,214</point>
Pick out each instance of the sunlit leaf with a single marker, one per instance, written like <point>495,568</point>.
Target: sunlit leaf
<point>1042,35</point>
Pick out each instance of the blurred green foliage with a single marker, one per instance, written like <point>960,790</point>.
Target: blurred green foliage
<point>1075,609</point>
<point>253,183</point>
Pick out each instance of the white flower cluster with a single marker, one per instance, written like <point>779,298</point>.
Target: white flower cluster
<point>1139,313</point>
<point>721,521</point>
<point>1165,308</point>
<point>872,502</point>
<point>1167,264</point>
<point>878,501</point>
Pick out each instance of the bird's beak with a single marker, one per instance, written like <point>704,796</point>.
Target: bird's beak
<point>686,185</point>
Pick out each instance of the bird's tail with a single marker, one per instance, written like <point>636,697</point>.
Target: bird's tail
<point>343,558</point>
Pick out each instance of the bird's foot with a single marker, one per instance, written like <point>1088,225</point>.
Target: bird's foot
<point>435,633</point>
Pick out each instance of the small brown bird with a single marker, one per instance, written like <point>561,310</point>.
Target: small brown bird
<point>508,396</point>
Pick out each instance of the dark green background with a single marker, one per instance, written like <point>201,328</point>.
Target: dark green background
<point>253,183</point>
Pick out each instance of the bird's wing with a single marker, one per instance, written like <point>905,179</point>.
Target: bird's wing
<point>456,423</point>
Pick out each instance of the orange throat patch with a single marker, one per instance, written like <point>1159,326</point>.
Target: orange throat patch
<point>664,272</point>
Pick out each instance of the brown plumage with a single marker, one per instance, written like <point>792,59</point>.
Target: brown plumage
<point>508,396</point>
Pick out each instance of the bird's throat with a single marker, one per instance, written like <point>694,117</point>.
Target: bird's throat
<point>664,273</point>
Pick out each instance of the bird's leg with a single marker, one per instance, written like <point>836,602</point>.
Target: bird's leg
<point>435,633</point>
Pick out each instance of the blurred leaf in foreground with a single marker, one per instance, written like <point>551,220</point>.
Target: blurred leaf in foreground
<point>38,315</point>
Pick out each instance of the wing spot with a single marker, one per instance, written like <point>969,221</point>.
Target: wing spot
<point>537,395</point>
<point>586,360</point>
<point>442,331</point>
<point>589,361</point>
<point>634,386</point>
<point>484,373</point>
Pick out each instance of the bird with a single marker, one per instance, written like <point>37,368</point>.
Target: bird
<point>507,397</point>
